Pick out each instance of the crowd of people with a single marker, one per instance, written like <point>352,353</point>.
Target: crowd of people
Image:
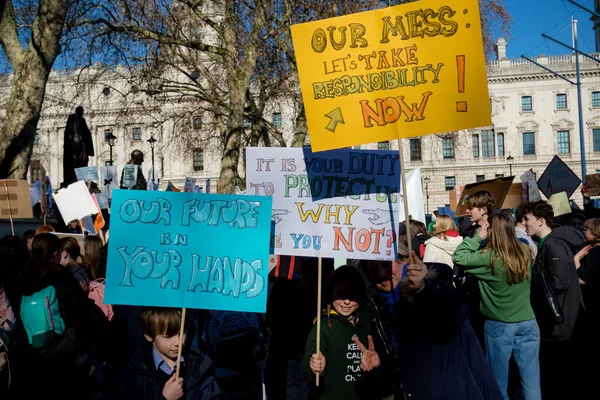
<point>500,304</point>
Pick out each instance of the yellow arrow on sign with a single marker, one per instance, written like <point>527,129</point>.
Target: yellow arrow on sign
<point>336,118</point>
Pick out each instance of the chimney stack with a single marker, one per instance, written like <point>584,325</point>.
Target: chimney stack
<point>501,49</point>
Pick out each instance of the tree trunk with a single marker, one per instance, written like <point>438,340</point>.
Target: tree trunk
<point>233,143</point>
<point>239,74</point>
<point>300,128</point>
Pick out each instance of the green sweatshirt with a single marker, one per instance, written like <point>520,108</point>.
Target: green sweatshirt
<point>342,356</point>
<point>499,300</point>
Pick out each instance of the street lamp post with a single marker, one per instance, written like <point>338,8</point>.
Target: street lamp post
<point>111,143</point>
<point>426,180</point>
<point>152,141</point>
<point>510,160</point>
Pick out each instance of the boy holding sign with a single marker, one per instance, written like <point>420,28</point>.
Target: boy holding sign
<point>151,374</point>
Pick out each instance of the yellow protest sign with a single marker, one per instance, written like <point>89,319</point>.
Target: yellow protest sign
<point>560,203</point>
<point>401,71</point>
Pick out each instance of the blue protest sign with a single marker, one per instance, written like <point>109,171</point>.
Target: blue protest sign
<point>87,174</point>
<point>188,250</point>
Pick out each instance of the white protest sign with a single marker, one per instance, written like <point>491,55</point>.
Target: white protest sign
<point>340,204</point>
<point>75,202</point>
<point>416,208</point>
<point>108,180</point>
<point>130,172</point>
<point>533,191</point>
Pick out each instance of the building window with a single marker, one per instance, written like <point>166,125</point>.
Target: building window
<point>36,139</point>
<point>563,142</point>
<point>479,178</point>
<point>595,99</point>
<point>383,146</point>
<point>528,143</point>
<point>561,101</point>
<point>475,146</point>
<point>487,144</point>
<point>247,124</point>
<point>596,139</point>
<point>500,140</point>
<point>415,149</point>
<point>35,170</point>
<point>277,120</point>
<point>448,146</point>
<point>499,176</point>
<point>450,182</point>
<point>198,160</point>
<point>197,122</point>
<point>526,104</point>
<point>137,133</point>
<point>107,133</point>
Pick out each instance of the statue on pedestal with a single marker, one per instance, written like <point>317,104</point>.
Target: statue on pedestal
<point>78,146</point>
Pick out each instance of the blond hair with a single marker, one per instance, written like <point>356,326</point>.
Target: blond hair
<point>504,245</point>
<point>443,224</point>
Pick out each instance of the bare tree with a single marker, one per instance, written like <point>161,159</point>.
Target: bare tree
<point>31,67</point>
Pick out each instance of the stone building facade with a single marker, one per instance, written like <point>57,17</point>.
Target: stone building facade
<point>534,116</point>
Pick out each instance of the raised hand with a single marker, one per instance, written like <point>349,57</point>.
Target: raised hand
<point>580,254</point>
<point>416,273</point>
<point>370,359</point>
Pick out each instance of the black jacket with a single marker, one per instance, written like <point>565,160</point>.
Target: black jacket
<point>438,354</point>
<point>140,380</point>
<point>556,257</point>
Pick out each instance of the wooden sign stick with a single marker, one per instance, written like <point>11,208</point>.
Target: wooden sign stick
<point>405,198</point>
<point>180,343</point>
<point>12,225</point>
<point>319,284</point>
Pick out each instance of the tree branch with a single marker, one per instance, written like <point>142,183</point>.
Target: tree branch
<point>8,35</point>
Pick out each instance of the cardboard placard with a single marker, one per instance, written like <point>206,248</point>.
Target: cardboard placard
<point>15,200</point>
<point>514,196</point>
<point>408,70</point>
<point>499,188</point>
<point>77,236</point>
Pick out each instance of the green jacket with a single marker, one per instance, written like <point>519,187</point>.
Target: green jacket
<point>499,300</point>
<point>342,356</point>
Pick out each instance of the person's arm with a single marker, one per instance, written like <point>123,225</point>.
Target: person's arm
<point>467,253</point>
<point>559,261</point>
